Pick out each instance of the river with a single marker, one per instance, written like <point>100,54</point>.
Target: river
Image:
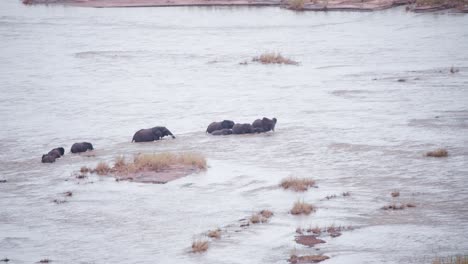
<point>71,74</point>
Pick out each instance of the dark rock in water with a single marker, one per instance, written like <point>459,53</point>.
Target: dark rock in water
<point>401,80</point>
<point>5,260</point>
<point>3,181</point>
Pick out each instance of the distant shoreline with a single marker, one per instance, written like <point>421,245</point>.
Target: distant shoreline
<point>298,5</point>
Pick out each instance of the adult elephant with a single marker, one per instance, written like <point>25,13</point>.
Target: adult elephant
<point>151,134</point>
<point>81,147</point>
<point>225,124</point>
<point>264,124</point>
<point>242,129</point>
<point>53,155</point>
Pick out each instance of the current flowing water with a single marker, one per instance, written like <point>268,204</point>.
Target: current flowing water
<point>72,74</point>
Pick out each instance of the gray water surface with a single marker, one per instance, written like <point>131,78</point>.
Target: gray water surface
<point>79,74</point>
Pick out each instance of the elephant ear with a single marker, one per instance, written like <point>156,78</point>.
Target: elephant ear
<point>225,124</point>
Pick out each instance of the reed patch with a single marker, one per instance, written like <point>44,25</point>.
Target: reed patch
<point>297,184</point>
<point>301,207</point>
<point>274,58</point>
<point>438,153</point>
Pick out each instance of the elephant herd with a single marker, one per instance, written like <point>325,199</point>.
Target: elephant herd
<point>226,127</point>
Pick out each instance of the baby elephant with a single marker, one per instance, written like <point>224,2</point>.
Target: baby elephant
<point>225,124</point>
<point>53,155</point>
<point>81,147</point>
<point>264,125</point>
<point>222,132</point>
<point>151,134</point>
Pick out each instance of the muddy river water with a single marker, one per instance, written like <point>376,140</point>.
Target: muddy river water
<point>80,74</point>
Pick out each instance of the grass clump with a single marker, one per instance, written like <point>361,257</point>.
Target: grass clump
<point>199,246</point>
<point>297,184</point>
<point>102,168</point>
<point>261,217</point>
<point>273,58</point>
<point>150,162</point>
<point>438,153</point>
<point>395,193</point>
<point>158,162</point>
<point>214,233</point>
<point>297,5</point>
<point>452,260</point>
<point>307,259</point>
<point>302,208</point>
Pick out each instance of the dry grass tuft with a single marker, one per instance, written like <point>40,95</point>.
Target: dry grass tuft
<point>307,259</point>
<point>150,162</point>
<point>297,5</point>
<point>102,168</point>
<point>214,233</point>
<point>395,193</point>
<point>437,153</point>
<point>459,259</point>
<point>85,169</point>
<point>261,217</point>
<point>302,208</point>
<point>274,58</point>
<point>297,184</point>
<point>45,261</point>
<point>266,213</point>
<point>199,246</point>
<point>394,206</point>
<point>158,162</point>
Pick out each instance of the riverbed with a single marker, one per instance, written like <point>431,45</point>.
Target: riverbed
<point>70,74</point>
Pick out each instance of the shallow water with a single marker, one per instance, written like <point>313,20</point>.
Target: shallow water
<point>80,74</point>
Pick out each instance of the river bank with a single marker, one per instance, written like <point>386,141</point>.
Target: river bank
<point>298,5</point>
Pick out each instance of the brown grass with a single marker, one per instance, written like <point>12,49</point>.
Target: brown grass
<point>297,184</point>
<point>214,233</point>
<point>307,259</point>
<point>150,162</point>
<point>395,193</point>
<point>448,3</point>
<point>199,246</point>
<point>297,5</point>
<point>45,261</point>
<point>459,259</point>
<point>266,213</point>
<point>261,217</point>
<point>85,169</point>
<point>274,58</point>
<point>437,153</point>
<point>302,208</point>
<point>102,168</point>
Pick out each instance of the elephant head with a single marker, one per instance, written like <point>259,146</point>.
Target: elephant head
<point>160,132</point>
<point>264,124</point>
<point>227,124</point>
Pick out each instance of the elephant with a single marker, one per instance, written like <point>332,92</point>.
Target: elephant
<point>81,147</point>
<point>264,124</point>
<point>151,134</point>
<point>53,155</point>
<point>222,132</point>
<point>57,152</point>
<point>225,124</point>
<point>46,158</point>
<point>242,129</point>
